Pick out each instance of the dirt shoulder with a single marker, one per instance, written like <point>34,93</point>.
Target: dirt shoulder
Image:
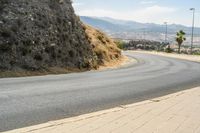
<point>123,61</point>
<point>112,64</point>
<point>195,58</point>
<point>178,112</point>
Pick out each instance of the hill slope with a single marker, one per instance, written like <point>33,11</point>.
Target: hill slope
<point>104,48</point>
<point>39,34</point>
<point>45,36</point>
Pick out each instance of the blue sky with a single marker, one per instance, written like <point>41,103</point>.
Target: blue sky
<point>147,11</point>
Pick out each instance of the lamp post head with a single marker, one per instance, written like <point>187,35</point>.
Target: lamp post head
<point>192,9</point>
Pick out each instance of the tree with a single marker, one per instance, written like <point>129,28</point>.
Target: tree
<point>180,38</point>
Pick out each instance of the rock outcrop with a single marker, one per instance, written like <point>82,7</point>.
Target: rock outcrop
<point>38,34</point>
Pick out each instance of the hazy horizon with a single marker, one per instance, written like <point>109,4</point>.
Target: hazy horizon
<point>143,11</point>
<point>138,21</point>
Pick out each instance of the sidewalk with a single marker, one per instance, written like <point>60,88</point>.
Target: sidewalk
<point>195,58</point>
<point>174,113</point>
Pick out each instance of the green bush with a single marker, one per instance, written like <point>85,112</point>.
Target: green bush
<point>197,53</point>
<point>120,44</point>
<point>168,50</point>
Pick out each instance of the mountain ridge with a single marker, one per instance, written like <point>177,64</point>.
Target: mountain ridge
<point>128,25</point>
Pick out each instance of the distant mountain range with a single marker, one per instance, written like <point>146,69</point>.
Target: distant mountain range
<point>134,30</point>
<point>114,25</point>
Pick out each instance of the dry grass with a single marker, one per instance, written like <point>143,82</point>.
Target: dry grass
<point>104,47</point>
<point>123,61</point>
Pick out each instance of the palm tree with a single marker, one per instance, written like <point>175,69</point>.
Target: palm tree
<point>180,38</point>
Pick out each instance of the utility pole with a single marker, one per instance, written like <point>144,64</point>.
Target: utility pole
<point>192,37</point>
<point>144,34</point>
<point>144,38</point>
<point>166,32</point>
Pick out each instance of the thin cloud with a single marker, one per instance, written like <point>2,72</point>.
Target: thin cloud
<point>147,2</point>
<point>155,10</point>
<point>149,14</point>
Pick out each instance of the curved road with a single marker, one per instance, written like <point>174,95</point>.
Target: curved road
<point>35,100</point>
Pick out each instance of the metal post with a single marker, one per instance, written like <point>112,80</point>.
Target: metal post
<point>166,32</point>
<point>192,37</point>
<point>144,39</point>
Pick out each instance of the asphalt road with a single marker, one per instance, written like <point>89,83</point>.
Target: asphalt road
<point>35,100</point>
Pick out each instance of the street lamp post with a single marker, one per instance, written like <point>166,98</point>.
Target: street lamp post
<point>144,37</point>
<point>192,37</point>
<point>166,31</point>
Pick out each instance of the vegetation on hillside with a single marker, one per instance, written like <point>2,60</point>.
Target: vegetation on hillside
<point>49,38</point>
<point>106,49</point>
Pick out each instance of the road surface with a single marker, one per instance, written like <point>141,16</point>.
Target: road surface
<point>35,100</point>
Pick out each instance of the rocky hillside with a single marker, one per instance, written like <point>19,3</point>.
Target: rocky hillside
<point>38,34</point>
<point>46,34</point>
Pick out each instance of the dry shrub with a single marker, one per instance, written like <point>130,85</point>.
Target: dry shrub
<point>104,47</point>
